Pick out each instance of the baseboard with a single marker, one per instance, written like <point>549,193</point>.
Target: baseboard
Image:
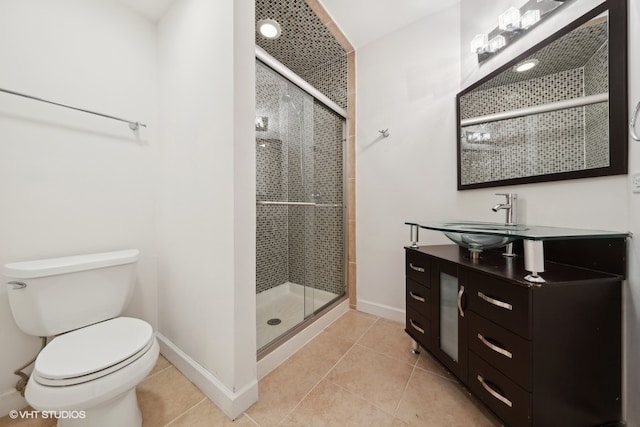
<point>11,400</point>
<point>233,404</point>
<point>381,310</point>
<point>272,360</point>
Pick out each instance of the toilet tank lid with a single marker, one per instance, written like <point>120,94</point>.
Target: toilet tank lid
<point>53,266</point>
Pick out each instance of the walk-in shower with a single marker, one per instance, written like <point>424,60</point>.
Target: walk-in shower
<point>300,206</point>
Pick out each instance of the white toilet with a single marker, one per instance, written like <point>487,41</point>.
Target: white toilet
<point>89,371</point>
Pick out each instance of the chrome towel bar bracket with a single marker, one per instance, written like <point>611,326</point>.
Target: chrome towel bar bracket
<point>632,125</point>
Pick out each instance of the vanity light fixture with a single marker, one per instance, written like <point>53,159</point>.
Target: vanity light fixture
<point>269,28</point>
<point>525,65</point>
<point>513,23</point>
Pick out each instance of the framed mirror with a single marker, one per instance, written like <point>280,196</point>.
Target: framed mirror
<point>564,117</point>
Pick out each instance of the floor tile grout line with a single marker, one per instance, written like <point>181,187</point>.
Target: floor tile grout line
<point>413,363</point>
<point>384,355</point>
<point>158,372</point>
<point>404,390</point>
<point>173,420</point>
<point>365,332</point>
<point>301,400</point>
<point>450,377</point>
<point>373,350</point>
<point>348,350</point>
<point>360,397</point>
<point>251,419</point>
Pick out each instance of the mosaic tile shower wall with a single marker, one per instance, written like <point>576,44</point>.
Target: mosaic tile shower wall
<point>557,141</point>
<point>306,47</point>
<point>298,244</point>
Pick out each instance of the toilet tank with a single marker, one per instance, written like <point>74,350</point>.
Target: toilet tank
<point>62,294</point>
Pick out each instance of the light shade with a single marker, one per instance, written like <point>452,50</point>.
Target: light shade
<point>529,18</point>
<point>269,28</point>
<point>509,20</point>
<point>497,43</point>
<point>480,43</point>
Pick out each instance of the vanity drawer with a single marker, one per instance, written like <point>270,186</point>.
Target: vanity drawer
<point>504,350</point>
<point>419,328</point>
<point>501,395</point>
<point>419,298</point>
<point>503,303</point>
<point>418,266</point>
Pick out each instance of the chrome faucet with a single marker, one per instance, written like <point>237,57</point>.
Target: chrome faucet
<point>510,207</point>
<point>511,216</point>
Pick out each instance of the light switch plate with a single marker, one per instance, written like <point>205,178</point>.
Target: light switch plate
<point>635,182</point>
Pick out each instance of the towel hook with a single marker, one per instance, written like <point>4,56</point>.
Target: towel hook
<point>632,125</point>
<point>384,132</point>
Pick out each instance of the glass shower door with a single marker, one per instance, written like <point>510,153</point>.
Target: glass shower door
<point>299,206</point>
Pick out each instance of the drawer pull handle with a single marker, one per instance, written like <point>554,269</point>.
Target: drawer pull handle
<point>495,301</point>
<point>495,347</point>
<point>494,393</point>
<point>459,301</point>
<point>416,297</point>
<point>416,327</point>
<point>418,269</point>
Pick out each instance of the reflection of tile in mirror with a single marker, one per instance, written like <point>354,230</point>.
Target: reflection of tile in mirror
<point>262,123</point>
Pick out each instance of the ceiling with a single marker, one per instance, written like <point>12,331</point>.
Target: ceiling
<point>150,9</point>
<point>362,21</point>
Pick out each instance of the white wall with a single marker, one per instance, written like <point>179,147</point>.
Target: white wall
<point>73,183</point>
<point>207,208</point>
<point>407,82</point>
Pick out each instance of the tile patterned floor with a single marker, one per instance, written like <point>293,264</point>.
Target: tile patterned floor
<point>357,372</point>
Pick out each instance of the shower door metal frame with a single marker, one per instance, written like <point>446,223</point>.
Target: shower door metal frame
<point>285,72</point>
<point>263,57</point>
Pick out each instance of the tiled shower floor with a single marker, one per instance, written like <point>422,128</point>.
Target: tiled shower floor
<point>288,302</point>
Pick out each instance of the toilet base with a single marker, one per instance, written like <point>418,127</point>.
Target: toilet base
<point>122,411</point>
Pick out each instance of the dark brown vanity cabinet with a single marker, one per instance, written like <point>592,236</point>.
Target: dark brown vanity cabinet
<point>536,355</point>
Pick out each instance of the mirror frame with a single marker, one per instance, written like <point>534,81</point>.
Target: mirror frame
<point>618,108</point>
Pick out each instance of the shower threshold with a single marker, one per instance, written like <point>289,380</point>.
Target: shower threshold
<point>288,303</point>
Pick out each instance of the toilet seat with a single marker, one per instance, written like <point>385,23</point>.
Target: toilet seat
<point>92,352</point>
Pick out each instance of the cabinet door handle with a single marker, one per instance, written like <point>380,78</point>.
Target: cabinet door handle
<point>416,327</point>
<point>415,268</point>
<point>494,393</point>
<point>460,293</point>
<point>494,347</point>
<point>416,297</point>
<point>496,302</point>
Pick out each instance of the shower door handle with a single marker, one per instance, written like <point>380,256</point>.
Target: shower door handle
<point>312,204</point>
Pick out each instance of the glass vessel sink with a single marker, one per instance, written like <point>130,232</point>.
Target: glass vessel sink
<point>479,242</point>
<point>476,242</point>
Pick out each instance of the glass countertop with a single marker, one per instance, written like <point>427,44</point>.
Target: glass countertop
<point>522,231</point>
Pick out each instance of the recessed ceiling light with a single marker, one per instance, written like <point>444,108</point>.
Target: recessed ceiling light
<point>269,28</point>
<point>525,66</point>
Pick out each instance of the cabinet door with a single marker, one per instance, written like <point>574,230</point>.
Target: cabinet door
<point>448,321</point>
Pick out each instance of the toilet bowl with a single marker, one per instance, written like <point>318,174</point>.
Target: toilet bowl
<point>82,376</point>
<point>88,372</point>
